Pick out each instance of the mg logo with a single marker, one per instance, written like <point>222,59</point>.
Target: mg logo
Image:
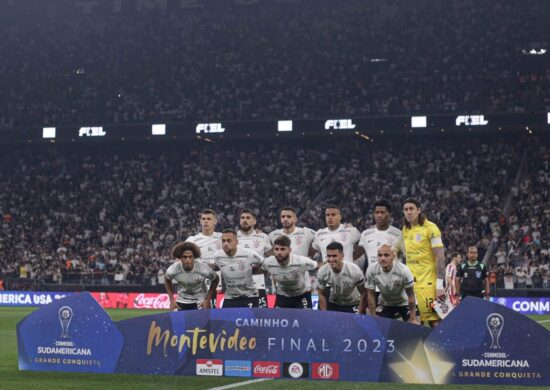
<point>325,371</point>
<point>471,120</point>
<point>339,124</point>
<point>209,128</point>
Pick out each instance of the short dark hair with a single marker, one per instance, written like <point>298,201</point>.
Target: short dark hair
<point>455,254</point>
<point>333,206</point>
<point>179,248</point>
<point>208,211</point>
<point>248,211</point>
<point>289,208</point>
<point>282,241</point>
<point>335,245</point>
<point>383,203</point>
<point>229,231</point>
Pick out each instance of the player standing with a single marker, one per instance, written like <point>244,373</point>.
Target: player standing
<point>335,231</point>
<point>301,238</point>
<point>381,233</point>
<point>425,258</point>
<point>208,240</point>
<point>290,273</point>
<point>190,276</point>
<point>254,239</point>
<point>450,277</point>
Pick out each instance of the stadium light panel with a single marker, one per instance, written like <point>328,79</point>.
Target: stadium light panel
<point>48,132</point>
<point>284,126</point>
<point>158,129</point>
<point>419,121</point>
<point>548,117</point>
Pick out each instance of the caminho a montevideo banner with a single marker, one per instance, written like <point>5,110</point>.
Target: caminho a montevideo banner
<point>479,342</point>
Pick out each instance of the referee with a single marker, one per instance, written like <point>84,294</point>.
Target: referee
<point>471,277</point>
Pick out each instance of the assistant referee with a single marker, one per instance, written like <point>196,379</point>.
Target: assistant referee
<point>471,277</point>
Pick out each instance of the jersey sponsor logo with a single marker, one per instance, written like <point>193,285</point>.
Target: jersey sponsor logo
<point>241,368</point>
<point>266,369</point>
<point>295,370</point>
<point>210,367</point>
<point>325,371</point>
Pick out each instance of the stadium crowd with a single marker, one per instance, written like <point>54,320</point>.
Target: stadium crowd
<point>112,216</point>
<point>258,62</point>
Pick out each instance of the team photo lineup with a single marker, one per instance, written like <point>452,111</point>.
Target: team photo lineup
<point>211,194</point>
<point>382,271</point>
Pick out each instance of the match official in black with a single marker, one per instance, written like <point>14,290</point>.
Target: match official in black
<point>471,277</point>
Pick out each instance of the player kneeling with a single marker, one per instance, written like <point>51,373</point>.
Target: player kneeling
<point>190,275</point>
<point>344,279</point>
<point>289,273</point>
<point>395,282</point>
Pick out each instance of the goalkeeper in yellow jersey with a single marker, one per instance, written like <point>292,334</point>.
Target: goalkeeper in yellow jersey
<point>425,258</point>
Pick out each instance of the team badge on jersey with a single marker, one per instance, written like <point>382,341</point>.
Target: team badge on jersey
<point>344,236</point>
<point>418,237</point>
<point>478,274</point>
<point>299,239</point>
<point>241,264</point>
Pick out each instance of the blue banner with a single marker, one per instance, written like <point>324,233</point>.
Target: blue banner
<point>479,342</point>
<point>73,334</point>
<point>30,298</point>
<point>525,305</point>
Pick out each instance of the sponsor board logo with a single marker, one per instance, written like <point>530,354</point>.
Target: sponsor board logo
<point>267,369</point>
<point>238,368</point>
<point>211,367</point>
<point>295,370</point>
<point>325,371</point>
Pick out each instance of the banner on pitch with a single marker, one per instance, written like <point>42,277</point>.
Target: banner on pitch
<point>479,342</point>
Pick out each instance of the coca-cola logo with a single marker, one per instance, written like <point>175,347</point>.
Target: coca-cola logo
<point>267,369</point>
<point>152,301</point>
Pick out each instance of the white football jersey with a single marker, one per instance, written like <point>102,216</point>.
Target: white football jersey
<point>259,243</point>
<point>300,242</point>
<point>291,279</point>
<point>300,239</point>
<point>347,236</point>
<point>391,284</point>
<point>372,239</point>
<point>237,272</point>
<point>208,245</point>
<point>192,286</point>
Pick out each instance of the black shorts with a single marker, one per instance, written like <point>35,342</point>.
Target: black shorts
<point>346,309</point>
<point>298,302</point>
<point>477,294</point>
<point>395,312</point>
<point>189,306</point>
<point>241,302</point>
<point>262,298</point>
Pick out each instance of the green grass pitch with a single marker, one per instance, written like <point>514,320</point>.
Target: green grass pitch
<point>12,378</point>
